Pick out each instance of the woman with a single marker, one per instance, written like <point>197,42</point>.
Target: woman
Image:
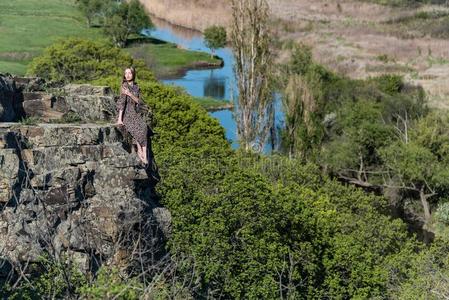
<point>128,115</point>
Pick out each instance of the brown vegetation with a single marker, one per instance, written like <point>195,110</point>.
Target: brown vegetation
<point>195,14</point>
<point>355,38</point>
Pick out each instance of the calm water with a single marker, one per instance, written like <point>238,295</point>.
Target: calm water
<point>218,83</point>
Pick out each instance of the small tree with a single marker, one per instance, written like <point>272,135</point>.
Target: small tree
<point>215,37</point>
<point>418,162</point>
<point>302,97</point>
<point>125,19</point>
<point>92,8</point>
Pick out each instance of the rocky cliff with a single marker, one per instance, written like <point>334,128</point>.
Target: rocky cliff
<point>70,188</point>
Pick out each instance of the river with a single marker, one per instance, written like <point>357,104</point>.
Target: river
<point>219,83</point>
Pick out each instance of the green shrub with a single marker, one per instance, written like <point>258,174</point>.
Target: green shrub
<point>79,60</point>
<point>389,83</point>
<point>253,223</point>
<point>110,284</point>
<point>32,120</point>
<point>442,213</point>
<point>46,279</point>
<point>427,276</point>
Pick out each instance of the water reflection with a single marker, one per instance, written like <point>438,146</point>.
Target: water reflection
<point>218,83</point>
<point>178,32</point>
<point>214,87</point>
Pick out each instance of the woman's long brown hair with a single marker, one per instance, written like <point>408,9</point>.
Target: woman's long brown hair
<point>133,71</point>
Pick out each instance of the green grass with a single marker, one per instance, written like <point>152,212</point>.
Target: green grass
<point>13,67</point>
<point>28,26</point>
<point>211,103</point>
<point>166,59</point>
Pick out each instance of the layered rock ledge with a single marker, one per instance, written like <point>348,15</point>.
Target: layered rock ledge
<point>70,188</point>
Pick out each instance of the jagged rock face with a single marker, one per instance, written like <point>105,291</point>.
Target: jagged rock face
<point>71,188</point>
<point>22,97</point>
<point>90,102</point>
<point>68,185</point>
<point>7,98</point>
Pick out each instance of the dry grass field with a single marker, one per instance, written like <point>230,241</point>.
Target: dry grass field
<point>355,38</point>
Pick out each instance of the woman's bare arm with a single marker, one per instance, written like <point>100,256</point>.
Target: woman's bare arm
<point>121,106</point>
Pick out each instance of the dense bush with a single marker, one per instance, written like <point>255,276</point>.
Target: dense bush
<point>79,60</point>
<point>376,133</point>
<point>255,232</point>
<point>428,274</point>
<point>272,227</point>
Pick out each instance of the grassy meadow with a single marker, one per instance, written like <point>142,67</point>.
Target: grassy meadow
<point>167,59</point>
<point>28,26</point>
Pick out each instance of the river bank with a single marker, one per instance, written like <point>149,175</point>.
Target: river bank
<point>215,84</point>
<point>169,60</point>
<point>62,20</point>
<point>26,29</point>
<point>354,38</point>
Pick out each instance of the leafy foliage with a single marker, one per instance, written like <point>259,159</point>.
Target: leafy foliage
<point>264,227</point>
<point>50,279</point>
<point>93,8</point>
<point>374,133</point>
<point>428,274</point>
<point>215,37</point>
<point>79,60</point>
<point>418,161</point>
<point>119,19</point>
<point>273,227</point>
<point>109,284</point>
<point>124,19</point>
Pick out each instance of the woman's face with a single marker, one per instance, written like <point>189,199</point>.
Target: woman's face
<point>128,75</point>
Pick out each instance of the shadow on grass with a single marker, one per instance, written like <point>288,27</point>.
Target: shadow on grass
<point>144,40</point>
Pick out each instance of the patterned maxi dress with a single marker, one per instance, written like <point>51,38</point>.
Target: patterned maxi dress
<point>133,121</point>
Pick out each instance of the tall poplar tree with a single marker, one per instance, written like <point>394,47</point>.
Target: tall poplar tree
<point>251,38</point>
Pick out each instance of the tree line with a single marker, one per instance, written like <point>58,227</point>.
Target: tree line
<point>119,19</point>
<point>310,222</point>
<point>378,134</point>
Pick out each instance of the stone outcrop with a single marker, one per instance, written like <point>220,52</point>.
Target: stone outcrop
<point>22,97</point>
<point>69,188</point>
<point>7,98</point>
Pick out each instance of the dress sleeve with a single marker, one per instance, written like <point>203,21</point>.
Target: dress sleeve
<point>120,105</point>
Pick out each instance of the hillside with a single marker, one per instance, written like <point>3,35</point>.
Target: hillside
<point>359,39</point>
<point>352,206</point>
<point>40,23</point>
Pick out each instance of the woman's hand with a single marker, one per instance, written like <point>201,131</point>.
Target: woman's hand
<point>127,92</point>
<point>119,122</point>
